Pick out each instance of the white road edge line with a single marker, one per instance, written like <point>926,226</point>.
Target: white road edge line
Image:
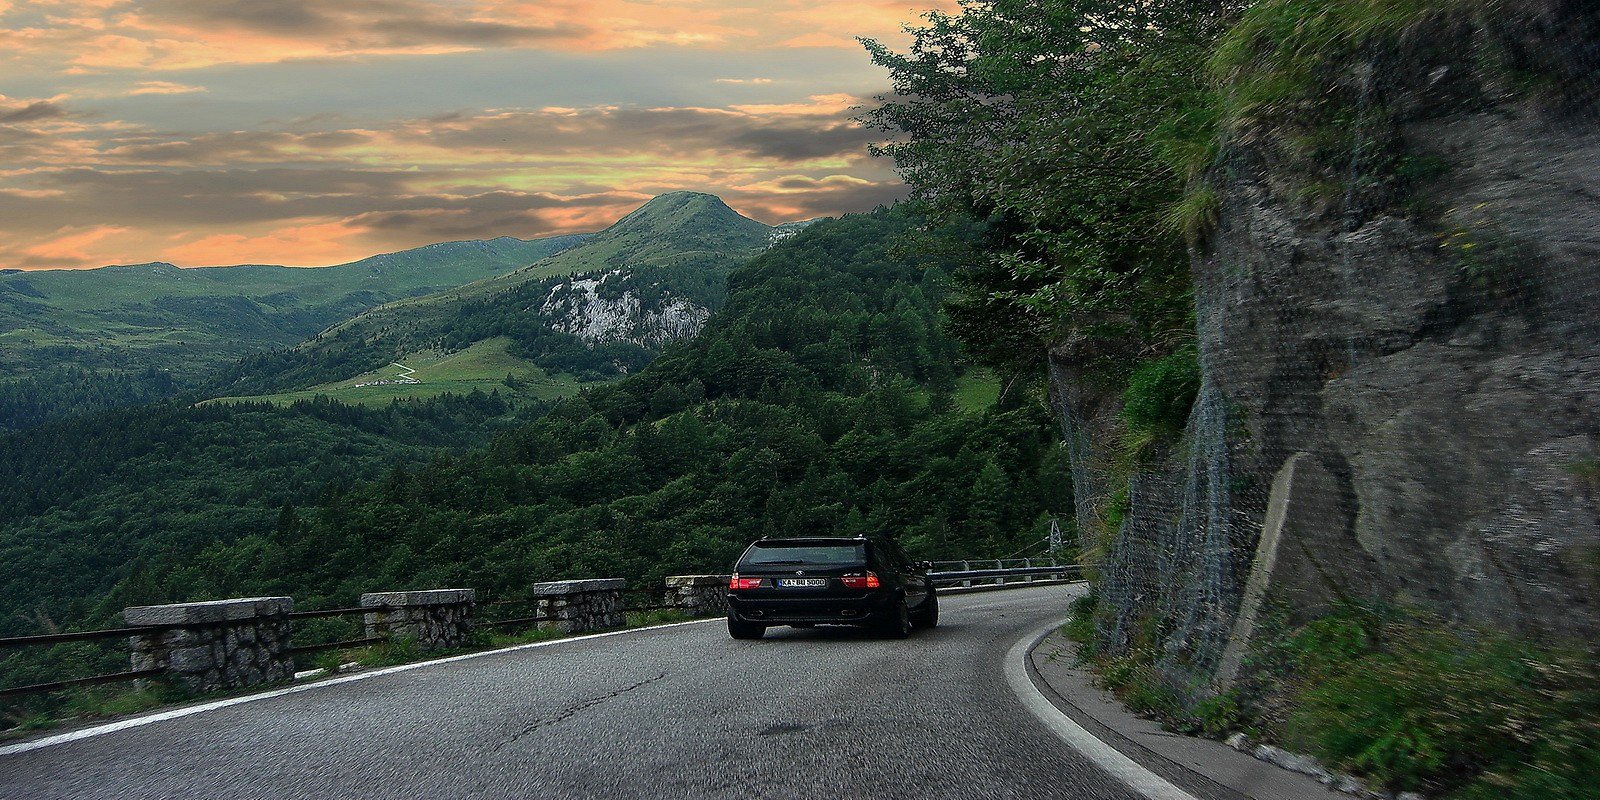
<point>1108,758</point>
<point>161,716</point>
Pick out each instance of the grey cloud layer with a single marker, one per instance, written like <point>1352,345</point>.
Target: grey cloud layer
<point>776,167</point>
<point>681,130</point>
<point>391,23</point>
<point>32,112</point>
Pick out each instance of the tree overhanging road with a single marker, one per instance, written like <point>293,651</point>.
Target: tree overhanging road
<point>673,712</point>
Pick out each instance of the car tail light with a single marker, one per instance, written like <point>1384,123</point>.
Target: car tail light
<point>867,581</point>
<point>737,582</point>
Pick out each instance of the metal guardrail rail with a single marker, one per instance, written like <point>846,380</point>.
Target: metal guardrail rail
<point>1002,575</point>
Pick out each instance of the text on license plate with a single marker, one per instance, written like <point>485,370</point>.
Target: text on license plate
<point>802,583</point>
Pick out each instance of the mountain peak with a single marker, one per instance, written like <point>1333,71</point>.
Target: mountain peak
<point>684,212</point>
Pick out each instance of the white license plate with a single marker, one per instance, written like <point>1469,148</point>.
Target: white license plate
<point>802,583</point>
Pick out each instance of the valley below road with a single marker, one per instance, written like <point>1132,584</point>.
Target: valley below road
<point>680,711</point>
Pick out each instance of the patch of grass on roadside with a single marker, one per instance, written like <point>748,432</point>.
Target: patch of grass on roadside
<point>639,619</point>
<point>1419,704</point>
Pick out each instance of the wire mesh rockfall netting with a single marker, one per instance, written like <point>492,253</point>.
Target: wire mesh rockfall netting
<point>1398,323</point>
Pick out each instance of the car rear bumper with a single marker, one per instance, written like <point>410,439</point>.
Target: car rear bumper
<point>814,610</point>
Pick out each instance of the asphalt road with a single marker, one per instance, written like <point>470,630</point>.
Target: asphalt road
<point>675,712</point>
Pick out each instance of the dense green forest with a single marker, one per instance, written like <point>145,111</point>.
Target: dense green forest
<point>90,507</point>
<point>821,400</point>
<point>71,391</point>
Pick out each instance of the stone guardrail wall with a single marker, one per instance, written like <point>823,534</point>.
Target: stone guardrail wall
<point>698,595</point>
<point>222,644</point>
<point>436,619</point>
<point>580,606</point>
<point>229,644</point>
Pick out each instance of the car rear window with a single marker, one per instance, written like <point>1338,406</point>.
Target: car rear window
<point>843,554</point>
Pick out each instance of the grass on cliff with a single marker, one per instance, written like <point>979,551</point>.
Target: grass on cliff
<point>1274,58</point>
<point>1405,700</point>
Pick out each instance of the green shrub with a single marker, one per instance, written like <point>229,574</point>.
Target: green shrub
<point>1196,211</point>
<point>1159,394</point>
<point>1273,60</point>
<point>1415,703</point>
<point>1080,628</point>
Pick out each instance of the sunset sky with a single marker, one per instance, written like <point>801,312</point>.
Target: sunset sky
<point>310,132</point>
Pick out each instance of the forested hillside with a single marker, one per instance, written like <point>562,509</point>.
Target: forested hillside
<point>122,504</point>
<point>820,400</point>
<point>75,341</point>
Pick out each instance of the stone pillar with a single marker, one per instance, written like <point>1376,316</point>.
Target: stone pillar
<point>221,644</point>
<point>580,606</point>
<point>436,619</point>
<point>698,595</point>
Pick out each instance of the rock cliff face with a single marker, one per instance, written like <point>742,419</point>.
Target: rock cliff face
<point>1428,338</point>
<point>583,308</point>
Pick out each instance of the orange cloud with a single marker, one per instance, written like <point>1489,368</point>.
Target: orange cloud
<point>344,173</point>
<point>316,243</point>
<point>164,87</point>
<point>72,245</point>
<point>101,35</point>
<point>816,105</point>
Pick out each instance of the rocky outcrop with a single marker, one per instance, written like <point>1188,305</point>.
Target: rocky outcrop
<point>1443,368</point>
<point>585,308</point>
<point>1424,344</point>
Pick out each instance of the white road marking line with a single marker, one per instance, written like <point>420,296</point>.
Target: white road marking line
<point>1108,758</point>
<point>137,722</point>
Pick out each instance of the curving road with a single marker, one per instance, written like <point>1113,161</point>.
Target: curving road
<point>672,712</point>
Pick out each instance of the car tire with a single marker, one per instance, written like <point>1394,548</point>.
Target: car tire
<point>898,624</point>
<point>739,629</point>
<point>928,615</point>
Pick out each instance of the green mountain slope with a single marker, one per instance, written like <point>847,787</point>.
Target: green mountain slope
<point>596,310</point>
<point>79,340</point>
<point>161,315</point>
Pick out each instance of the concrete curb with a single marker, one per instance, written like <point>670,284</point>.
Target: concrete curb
<point>1118,765</point>
<point>1209,769</point>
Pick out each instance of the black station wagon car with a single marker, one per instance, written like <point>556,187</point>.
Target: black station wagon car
<point>829,581</point>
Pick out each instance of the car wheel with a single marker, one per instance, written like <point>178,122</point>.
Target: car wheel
<point>739,629</point>
<point>928,615</point>
<point>898,625</point>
